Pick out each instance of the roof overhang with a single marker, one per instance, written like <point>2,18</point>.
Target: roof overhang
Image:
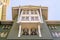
<point>6,22</point>
<point>52,21</point>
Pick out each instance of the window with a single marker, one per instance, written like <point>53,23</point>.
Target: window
<point>6,27</point>
<point>25,18</point>
<point>32,18</point>
<point>25,31</point>
<point>56,34</point>
<point>33,12</point>
<point>3,34</point>
<point>36,19</point>
<point>25,12</point>
<point>52,27</point>
<point>33,32</point>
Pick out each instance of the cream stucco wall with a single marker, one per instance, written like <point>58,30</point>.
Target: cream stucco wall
<point>0,12</point>
<point>3,8</point>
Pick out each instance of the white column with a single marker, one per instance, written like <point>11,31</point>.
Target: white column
<point>21,16</point>
<point>19,33</point>
<point>39,31</point>
<point>18,15</point>
<point>41,16</point>
<point>29,15</point>
<point>29,32</point>
<point>38,15</point>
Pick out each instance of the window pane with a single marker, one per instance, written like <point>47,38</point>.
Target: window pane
<point>27,18</point>
<point>23,18</point>
<point>32,12</point>
<point>23,12</point>
<point>32,18</point>
<point>36,19</point>
<point>25,32</point>
<point>35,12</point>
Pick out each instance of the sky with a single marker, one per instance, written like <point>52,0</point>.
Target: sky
<point>53,7</point>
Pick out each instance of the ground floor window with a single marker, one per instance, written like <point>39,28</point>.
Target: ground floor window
<point>3,34</point>
<point>26,31</point>
<point>33,32</point>
<point>56,34</point>
<point>6,27</point>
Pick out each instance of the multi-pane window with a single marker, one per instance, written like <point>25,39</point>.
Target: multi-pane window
<point>36,19</point>
<point>33,12</point>
<point>33,18</point>
<point>6,27</point>
<point>56,34</point>
<point>52,27</point>
<point>25,18</point>
<point>29,15</point>
<point>25,12</point>
<point>27,31</point>
<point>33,32</point>
<point>3,34</point>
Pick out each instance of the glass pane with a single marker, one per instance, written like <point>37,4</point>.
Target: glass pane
<point>33,32</point>
<point>36,19</point>
<point>23,18</point>
<point>27,18</point>
<point>23,12</point>
<point>25,31</point>
<point>32,18</point>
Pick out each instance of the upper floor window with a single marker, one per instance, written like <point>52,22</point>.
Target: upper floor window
<point>34,18</point>
<point>25,18</point>
<point>23,12</point>
<point>26,12</point>
<point>33,12</point>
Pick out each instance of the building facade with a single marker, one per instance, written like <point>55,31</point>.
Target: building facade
<point>30,23</point>
<point>3,6</point>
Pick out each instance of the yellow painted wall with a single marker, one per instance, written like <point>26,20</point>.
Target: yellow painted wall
<point>0,12</point>
<point>3,9</point>
<point>5,1</point>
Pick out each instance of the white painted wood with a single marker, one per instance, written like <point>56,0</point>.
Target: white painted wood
<point>41,16</point>
<point>19,33</point>
<point>39,31</point>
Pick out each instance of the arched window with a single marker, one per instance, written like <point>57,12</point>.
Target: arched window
<point>33,31</point>
<point>25,31</point>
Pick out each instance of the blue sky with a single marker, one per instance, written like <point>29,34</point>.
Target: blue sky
<point>53,7</point>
